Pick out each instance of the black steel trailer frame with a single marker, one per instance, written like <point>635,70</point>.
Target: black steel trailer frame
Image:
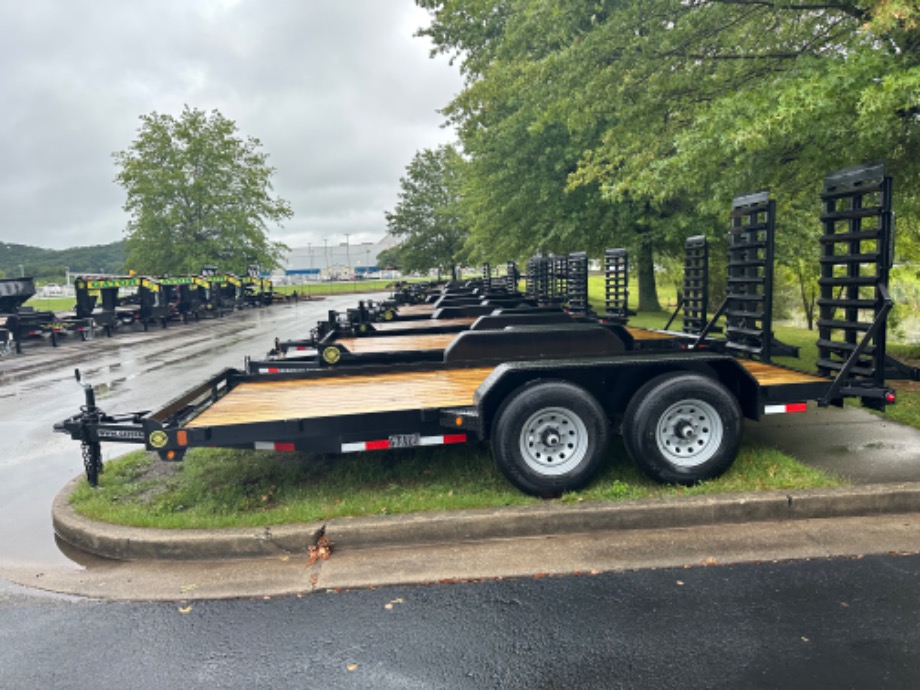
<point>548,415</point>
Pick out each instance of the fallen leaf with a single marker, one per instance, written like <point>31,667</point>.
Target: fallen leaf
<point>805,639</point>
<point>680,583</point>
<point>321,551</point>
<point>352,667</point>
<point>389,604</point>
<point>185,609</point>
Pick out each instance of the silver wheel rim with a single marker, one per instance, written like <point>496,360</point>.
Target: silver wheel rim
<point>689,433</point>
<point>553,441</point>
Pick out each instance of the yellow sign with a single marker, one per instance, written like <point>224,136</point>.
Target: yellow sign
<point>332,355</point>
<point>158,439</point>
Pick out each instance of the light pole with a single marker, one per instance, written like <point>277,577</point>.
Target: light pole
<point>347,252</point>
<point>326,251</point>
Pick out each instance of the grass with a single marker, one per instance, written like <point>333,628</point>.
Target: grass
<point>216,488</point>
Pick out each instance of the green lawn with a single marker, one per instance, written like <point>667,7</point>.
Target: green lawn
<point>228,488</point>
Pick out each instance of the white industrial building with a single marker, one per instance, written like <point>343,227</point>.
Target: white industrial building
<point>327,260</point>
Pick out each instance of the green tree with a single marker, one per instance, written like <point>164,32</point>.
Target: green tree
<point>428,217</point>
<point>198,193</point>
<point>665,110</point>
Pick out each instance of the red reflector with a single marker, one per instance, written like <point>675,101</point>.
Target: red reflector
<point>890,397</point>
<point>272,370</point>
<point>284,446</point>
<point>377,445</point>
<point>455,438</point>
<point>797,407</point>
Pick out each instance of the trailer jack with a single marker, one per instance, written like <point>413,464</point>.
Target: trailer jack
<point>90,416</point>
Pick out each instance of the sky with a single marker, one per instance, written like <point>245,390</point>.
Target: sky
<point>339,92</point>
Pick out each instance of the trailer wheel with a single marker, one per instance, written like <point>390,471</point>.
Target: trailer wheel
<point>550,437</point>
<point>682,428</point>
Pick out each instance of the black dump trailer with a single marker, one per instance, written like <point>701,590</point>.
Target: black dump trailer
<point>113,301</point>
<point>549,411</point>
<point>183,295</point>
<point>19,322</point>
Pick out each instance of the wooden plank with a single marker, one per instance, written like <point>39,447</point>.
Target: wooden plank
<point>770,374</point>
<point>422,324</point>
<point>396,343</point>
<point>265,401</point>
<point>643,334</point>
<point>416,309</point>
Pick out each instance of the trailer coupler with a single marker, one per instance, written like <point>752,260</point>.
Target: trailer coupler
<point>91,426</point>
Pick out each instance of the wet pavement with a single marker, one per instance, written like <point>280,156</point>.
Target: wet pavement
<point>138,371</point>
<point>132,371</point>
<point>850,442</point>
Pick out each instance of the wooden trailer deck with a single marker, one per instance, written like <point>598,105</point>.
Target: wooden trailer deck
<point>266,401</point>
<point>416,309</point>
<point>397,343</point>
<point>643,334</point>
<point>771,375</point>
<point>423,324</point>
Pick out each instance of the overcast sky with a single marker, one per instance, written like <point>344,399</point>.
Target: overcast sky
<point>340,93</point>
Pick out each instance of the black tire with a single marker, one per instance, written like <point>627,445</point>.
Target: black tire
<point>550,437</point>
<point>683,428</point>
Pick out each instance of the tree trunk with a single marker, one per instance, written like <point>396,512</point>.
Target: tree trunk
<point>648,290</point>
<point>808,299</point>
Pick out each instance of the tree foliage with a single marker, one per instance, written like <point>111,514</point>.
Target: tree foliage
<point>428,218</point>
<point>198,193</point>
<point>50,265</point>
<point>585,122</point>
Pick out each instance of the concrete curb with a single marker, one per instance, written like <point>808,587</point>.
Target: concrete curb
<point>546,519</point>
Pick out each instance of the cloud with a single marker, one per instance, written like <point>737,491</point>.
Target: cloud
<point>340,94</point>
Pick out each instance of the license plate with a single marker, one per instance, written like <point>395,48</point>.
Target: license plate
<point>404,440</point>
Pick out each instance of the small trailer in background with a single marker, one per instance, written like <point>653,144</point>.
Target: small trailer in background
<point>19,322</point>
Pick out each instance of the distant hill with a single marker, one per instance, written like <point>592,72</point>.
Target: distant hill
<point>49,265</point>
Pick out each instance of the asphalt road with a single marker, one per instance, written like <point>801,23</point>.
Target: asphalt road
<point>134,370</point>
<point>829,623</point>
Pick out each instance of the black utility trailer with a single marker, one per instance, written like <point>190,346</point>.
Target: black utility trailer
<point>549,415</point>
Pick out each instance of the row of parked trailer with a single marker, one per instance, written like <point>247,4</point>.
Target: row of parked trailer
<point>545,380</point>
<point>107,303</point>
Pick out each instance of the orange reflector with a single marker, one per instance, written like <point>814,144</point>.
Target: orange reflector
<point>171,454</point>
<point>181,438</point>
<point>459,421</point>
